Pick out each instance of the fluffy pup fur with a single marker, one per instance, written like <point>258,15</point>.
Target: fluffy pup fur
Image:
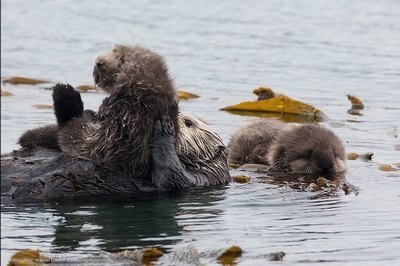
<point>305,148</point>
<point>141,92</point>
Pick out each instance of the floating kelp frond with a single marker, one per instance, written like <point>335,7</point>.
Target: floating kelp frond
<point>42,106</point>
<point>184,95</point>
<point>241,179</point>
<point>356,103</point>
<point>229,256</point>
<point>151,255</point>
<point>6,93</point>
<point>24,81</point>
<point>387,168</point>
<point>279,104</point>
<point>354,156</point>
<point>86,88</point>
<point>28,257</point>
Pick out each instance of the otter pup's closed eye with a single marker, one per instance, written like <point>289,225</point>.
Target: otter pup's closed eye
<point>306,148</point>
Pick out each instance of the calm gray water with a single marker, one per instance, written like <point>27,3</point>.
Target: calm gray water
<point>316,51</point>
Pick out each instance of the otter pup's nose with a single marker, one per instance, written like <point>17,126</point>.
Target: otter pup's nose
<point>326,166</point>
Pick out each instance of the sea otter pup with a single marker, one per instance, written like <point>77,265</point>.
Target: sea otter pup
<point>141,92</point>
<point>305,148</point>
<point>131,133</point>
<point>46,136</point>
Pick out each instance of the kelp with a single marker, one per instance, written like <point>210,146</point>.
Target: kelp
<point>28,257</point>
<point>270,104</point>
<point>387,167</point>
<point>241,179</point>
<point>86,88</point>
<point>43,106</point>
<point>6,93</point>
<point>364,156</point>
<point>184,95</point>
<point>229,256</point>
<point>17,80</point>
<point>356,105</point>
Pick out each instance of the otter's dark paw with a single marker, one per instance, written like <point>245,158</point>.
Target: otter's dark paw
<point>167,126</point>
<point>163,134</point>
<point>67,103</point>
<point>164,127</point>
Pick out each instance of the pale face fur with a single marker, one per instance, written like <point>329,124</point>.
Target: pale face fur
<point>308,149</point>
<point>196,141</point>
<point>201,151</point>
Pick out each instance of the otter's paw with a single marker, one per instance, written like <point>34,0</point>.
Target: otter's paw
<point>167,126</point>
<point>164,127</point>
<point>67,103</point>
<point>163,133</point>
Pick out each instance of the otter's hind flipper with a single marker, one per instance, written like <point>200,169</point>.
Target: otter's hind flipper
<point>167,171</point>
<point>67,103</point>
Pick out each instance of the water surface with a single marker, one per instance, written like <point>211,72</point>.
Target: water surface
<point>315,51</point>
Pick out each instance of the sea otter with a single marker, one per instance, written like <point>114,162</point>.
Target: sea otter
<point>141,92</point>
<point>307,148</point>
<point>138,130</point>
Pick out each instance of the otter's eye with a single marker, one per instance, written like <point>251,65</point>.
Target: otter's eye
<point>188,123</point>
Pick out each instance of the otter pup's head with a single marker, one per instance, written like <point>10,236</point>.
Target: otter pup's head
<point>128,65</point>
<point>201,150</point>
<point>308,149</point>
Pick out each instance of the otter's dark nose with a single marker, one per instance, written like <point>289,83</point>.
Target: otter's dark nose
<point>326,166</point>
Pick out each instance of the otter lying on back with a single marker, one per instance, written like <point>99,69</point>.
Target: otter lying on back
<point>305,148</point>
<point>138,130</point>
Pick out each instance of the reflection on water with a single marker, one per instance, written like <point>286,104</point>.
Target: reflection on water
<point>148,220</point>
<point>315,51</point>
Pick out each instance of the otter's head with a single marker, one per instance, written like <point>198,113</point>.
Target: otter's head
<point>308,149</point>
<point>201,151</point>
<point>127,65</point>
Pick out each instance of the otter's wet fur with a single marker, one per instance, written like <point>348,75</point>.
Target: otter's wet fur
<point>45,136</point>
<point>138,119</point>
<point>198,160</point>
<point>141,92</point>
<point>307,148</point>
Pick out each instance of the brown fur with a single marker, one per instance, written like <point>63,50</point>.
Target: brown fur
<point>251,143</point>
<point>301,149</point>
<point>141,92</point>
<point>128,128</point>
<point>45,136</point>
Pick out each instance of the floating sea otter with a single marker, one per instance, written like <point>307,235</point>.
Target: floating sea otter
<point>138,131</point>
<point>305,148</point>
